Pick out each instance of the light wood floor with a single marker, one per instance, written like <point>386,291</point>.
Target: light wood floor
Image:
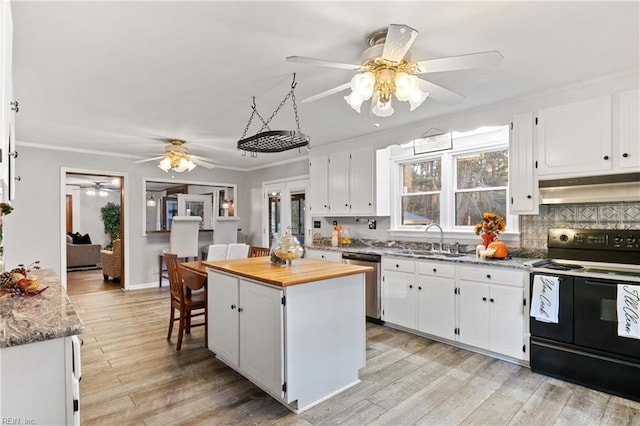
<point>132,375</point>
<point>91,281</point>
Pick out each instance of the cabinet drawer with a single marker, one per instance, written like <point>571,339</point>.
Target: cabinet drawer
<point>492,275</point>
<point>438,269</point>
<point>326,255</point>
<point>393,264</point>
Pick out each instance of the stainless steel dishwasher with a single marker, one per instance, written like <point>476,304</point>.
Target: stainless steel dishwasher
<point>372,280</point>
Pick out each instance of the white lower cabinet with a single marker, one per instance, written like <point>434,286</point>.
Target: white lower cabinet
<point>476,306</point>
<point>436,298</point>
<point>246,327</point>
<point>40,382</point>
<point>491,305</point>
<point>328,255</point>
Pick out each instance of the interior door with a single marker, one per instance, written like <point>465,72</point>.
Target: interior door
<point>285,206</point>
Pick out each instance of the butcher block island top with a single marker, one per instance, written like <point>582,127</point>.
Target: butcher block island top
<point>301,271</point>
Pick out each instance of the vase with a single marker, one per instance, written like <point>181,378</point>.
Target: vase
<point>488,238</point>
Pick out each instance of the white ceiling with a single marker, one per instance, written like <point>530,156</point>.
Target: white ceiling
<point>121,77</point>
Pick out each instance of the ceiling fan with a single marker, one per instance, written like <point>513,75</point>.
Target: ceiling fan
<point>177,158</point>
<point>386,69</point>
<point>96,189</point>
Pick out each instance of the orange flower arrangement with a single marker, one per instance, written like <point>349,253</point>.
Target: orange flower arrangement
<point>490,227</point>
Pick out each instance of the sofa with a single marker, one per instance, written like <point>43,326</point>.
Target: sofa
<point>82,254</point>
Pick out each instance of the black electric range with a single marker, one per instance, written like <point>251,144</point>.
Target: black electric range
<point>592,270</point>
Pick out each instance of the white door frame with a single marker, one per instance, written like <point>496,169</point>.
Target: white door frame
<point>285,187</point>
<point>63,224</point>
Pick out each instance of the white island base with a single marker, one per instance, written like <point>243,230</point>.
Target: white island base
<point>301,343</point>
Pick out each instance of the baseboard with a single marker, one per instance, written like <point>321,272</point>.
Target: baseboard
<point>142,286</point>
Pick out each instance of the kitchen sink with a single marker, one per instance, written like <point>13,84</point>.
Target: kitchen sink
<point>435,253</point>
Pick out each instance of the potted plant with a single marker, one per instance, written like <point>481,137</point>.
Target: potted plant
<point>110,213</point>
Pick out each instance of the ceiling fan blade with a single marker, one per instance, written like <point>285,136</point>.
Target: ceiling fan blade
<point>440,93</point>
<point>148,159</point>
<point>322,63</point>
<point>398,42</point>
<point>328,92</point>
<point>471,60</point>
<point>202,163</point>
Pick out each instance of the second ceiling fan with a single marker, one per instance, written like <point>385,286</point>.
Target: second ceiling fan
<point>386,69</point>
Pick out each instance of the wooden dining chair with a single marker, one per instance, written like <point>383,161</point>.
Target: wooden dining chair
<point>258,251</point>
<point>188,305</point>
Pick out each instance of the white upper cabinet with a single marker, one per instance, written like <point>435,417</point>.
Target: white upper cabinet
<point>339,201</point>
<point>523,181</point>
<point>575,139</point>
<point>319,191</point>
<point>627,155</point>
<point>8,106</point>
<point>343,183</point>
<point>362,180</point>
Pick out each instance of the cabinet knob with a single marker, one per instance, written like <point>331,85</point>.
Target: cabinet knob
<point>491,300</point>
<point>419,288</point>
<point>397,266</point>
<point>488,276</point>
<point>18,178</point>
<point>233,307</point>
<point>15,106</point>
<point>625,155</point>
<point>369,203</point>
<point>529,196</point>
<point>410,285</point>
<point>606,157</point>
<point>325,205</point>
<point>13,154</point>
<point>435,270</point>
<point>240,309</point>
<point>484,299</point>
<point>346,205</point>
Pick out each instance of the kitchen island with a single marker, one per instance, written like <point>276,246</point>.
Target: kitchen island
<point>297,332</point>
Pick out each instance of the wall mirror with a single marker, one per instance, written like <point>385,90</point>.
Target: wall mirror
<point>164,199</point>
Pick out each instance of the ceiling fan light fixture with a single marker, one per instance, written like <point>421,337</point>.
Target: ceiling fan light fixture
<point>165,164</point>
<point>363,84</point>
<point>417,98</point>
<point>91,192</point>
<point>354,100</point>
<point>382,106</point>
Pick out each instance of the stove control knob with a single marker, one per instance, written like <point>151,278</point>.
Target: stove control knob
<point>564,238</point>
<point>631,240</point>
<point>618,239</point>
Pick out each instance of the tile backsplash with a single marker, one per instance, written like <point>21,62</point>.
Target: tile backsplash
<point>533,229</point>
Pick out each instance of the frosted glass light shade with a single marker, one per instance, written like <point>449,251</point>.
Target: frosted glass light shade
<point>363,84</point>
<point>354,100</point>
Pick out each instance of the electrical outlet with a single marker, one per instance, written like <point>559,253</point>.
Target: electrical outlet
<point>317,224</point>
<point>372,224</point>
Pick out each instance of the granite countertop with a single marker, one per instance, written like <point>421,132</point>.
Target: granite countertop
<point>515,262</point>
<point>30,319</point>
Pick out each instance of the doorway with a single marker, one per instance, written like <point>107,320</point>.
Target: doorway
<point>284,207</point>
<point>93,255</point>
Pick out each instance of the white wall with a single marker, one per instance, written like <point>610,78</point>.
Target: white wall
<point>33,231</point>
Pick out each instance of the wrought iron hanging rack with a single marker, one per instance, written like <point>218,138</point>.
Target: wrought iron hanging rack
<point>267,140</point>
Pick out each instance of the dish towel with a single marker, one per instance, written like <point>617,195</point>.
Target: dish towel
<point>545,298</point>
<point>628,307</point>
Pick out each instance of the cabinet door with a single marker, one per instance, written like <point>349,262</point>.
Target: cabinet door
<point>436,306</point>
<point>575,139</point>
<point>473,321</point>
<point>628,153</point>
<point>339,183</point>
<point>318,176</point>
<point>261,335</point>
<point>523,182</point>
<point>222,318</point>
<point>506,320</point>
<point>6,97</point>
<point>362,180</point>
<point>399,299</point>
<point>326,255</point>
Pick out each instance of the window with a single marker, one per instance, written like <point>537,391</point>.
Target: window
<point>482,181</point>
<point>421,186</point>
<point>454,187</point>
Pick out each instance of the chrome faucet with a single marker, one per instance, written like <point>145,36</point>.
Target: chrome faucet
<point>441,233</point>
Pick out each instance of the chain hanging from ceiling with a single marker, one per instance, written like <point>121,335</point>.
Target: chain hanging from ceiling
<point>267,140</point>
